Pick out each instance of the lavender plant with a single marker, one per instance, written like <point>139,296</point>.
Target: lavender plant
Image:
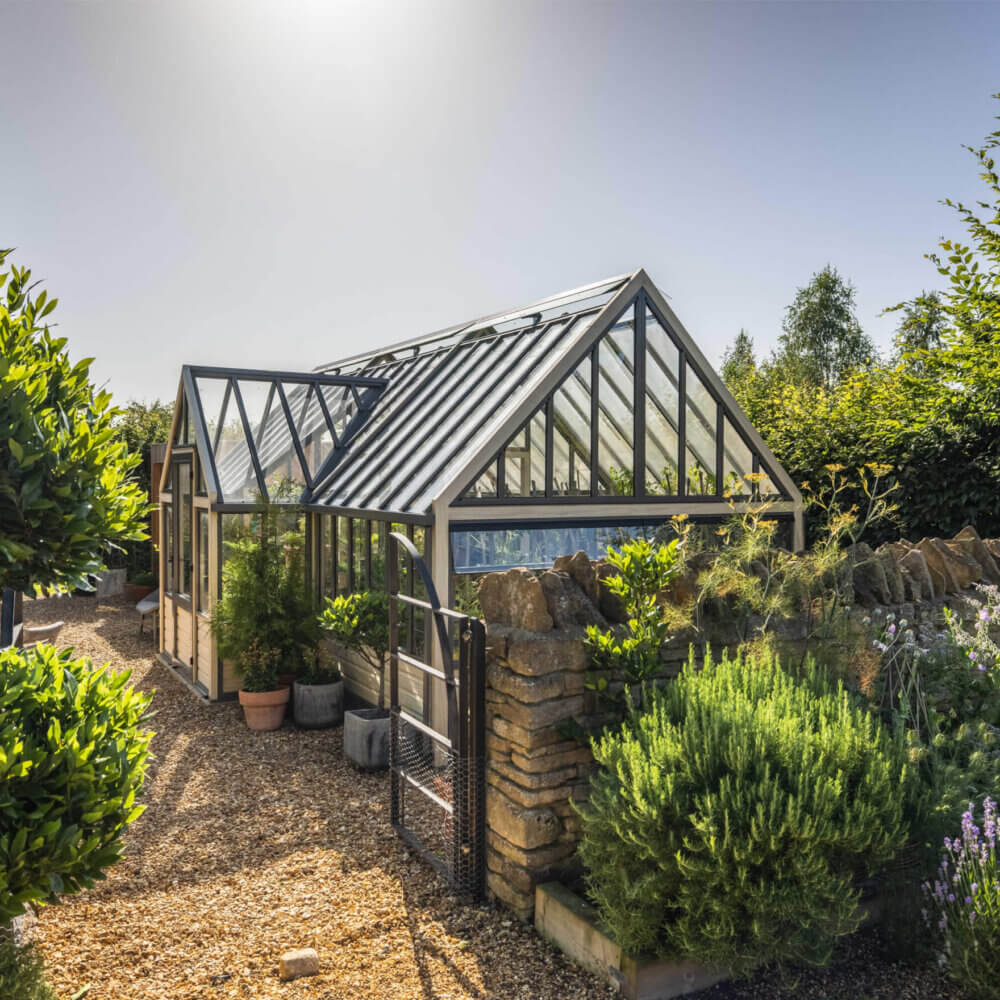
<point>964,905</point>
<point>977,642</point>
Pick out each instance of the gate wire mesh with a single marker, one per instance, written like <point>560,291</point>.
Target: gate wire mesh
<point>428,779</point>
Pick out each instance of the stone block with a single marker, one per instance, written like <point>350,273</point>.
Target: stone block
<point>541,716</point>
<point>515,598</point>
<point>915,563</point>
<point>529,798</point>
<point>298,963</point>
<point>541,760</point>
<point>568,605</point>
<point>868,575</point>
<point>893,574</point>
<point>527,689</point>
<point>528,739</point>
<point>553,778</point>
<point>969,539</point>
<point>938,567</point>
<point>513,874</point>
<point>964,567</point>
<point>581,569</point>
<point>533,860</point>
<point>522,904</point>
<point>552,654</point>
<point>525,828</point>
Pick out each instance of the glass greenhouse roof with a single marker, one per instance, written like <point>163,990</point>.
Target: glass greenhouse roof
<point>588,394</point>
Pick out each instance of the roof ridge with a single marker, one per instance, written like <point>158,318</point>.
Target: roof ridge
<point>415,343</point>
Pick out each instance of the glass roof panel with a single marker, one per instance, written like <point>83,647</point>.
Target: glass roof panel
<point>615,434</point>
<point>571,433</point>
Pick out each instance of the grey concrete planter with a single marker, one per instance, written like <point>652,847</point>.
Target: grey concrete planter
<point>573,926</point>
<point>366,738</point>
<point>318,706</point>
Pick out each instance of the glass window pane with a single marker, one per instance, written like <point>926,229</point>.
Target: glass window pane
<point>700,417</point>
<point>343,555</point>
<point>536,444</point>
<point>616,358</point>
<point>571,434</point>
<point>341,405</point>
<point>200,473</point>
<point>737,462</point>
<point>486,484</point>
<point>766,487</point>
<point>203,561</point>
<point>183,499</point>
<point>328,568</point>
<point>524,460</point>
<point>662,410</point>
<point>167,530</point>
<point>379,536</point>
<point>182,434</point>
<point>360,566</point>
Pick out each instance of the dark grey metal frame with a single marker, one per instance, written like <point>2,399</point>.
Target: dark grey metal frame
<point>639,303</point>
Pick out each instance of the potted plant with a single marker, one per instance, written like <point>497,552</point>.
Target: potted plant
<point>267,616</point>
<point>318,696</point>
<point>360,623</point>
<point>263,699</point>
<point>141,585</point>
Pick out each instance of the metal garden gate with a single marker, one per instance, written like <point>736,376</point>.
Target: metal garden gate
<point>438,786</point>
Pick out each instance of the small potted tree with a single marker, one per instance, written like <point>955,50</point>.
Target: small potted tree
<point>360,623</point>
<point>266,619</point>
<point>318,695</point>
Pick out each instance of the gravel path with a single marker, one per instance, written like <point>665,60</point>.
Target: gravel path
<point>255,844</point>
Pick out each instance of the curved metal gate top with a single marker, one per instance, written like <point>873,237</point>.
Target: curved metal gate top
<point>437,778</point>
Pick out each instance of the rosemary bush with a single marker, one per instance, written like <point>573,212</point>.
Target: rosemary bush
<point>729,819</point>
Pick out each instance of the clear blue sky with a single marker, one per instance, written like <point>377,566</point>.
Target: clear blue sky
<point>284,183</point>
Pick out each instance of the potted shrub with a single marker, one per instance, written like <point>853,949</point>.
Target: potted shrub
<point>263,699</point>
<point>266,620</point>
<point>360,622</point>
<point>318,696</point>
<point>141,585</point>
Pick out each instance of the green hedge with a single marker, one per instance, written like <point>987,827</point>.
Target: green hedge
<point>73,756</point>
<point>729,819</point>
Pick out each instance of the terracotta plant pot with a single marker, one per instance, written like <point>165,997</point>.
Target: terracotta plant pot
<point>136,591</point>
<point>264,710</point>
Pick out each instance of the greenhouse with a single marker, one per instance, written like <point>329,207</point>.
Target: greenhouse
<point>506,441</point>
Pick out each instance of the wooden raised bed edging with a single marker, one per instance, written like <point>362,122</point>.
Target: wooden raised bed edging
<point>573,926</point>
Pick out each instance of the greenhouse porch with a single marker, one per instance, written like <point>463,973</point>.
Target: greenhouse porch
<point>506,441</point>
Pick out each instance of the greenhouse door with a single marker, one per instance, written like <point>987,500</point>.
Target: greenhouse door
<point>438,791</point>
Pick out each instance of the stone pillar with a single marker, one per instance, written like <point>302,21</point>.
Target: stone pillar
<point>534,684</point>
<point>536,666</point>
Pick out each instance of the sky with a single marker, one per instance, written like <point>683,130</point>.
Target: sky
<point>280,184</point>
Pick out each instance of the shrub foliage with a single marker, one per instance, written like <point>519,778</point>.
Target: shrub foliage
<point>728,821</point>
<point>73,758</point>
<point>67,491</point>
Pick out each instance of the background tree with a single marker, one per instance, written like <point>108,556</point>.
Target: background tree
<point>922,327</point>
<point>67,489</point>
<point>822,340</point>
<point>738,361</point>
<point>141,425</point>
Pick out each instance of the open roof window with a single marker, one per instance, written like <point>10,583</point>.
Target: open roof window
<point>275,435</point>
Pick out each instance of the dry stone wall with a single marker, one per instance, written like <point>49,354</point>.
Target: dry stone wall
<point>537,664</point>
